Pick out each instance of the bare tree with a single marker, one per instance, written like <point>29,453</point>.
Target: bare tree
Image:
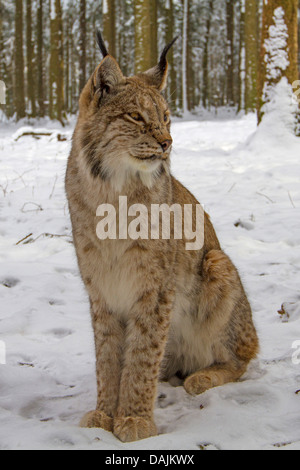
<point>30,60</point>
<point>19,87</point>
<point>279,47</point>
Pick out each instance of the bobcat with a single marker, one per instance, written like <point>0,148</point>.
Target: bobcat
<point>157,309</point>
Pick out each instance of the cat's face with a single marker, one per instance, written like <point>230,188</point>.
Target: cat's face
<point>125,128</point>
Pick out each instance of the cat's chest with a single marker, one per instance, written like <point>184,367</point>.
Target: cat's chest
<point>120,281</point>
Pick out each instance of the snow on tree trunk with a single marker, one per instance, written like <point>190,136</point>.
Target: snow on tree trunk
<point>279,53</point>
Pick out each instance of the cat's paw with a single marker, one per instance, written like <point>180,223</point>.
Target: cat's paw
<point>197,383</point>
<point>97,419</point>
<point>131,429</point>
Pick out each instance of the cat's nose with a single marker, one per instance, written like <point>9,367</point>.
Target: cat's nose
<point>166,144</point>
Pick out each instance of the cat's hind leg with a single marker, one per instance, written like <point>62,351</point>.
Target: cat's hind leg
<point>213,376</point>
<point>225,320</point>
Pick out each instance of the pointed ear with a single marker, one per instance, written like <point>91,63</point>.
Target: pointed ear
<point>107,75</point>
<point>158,75</point>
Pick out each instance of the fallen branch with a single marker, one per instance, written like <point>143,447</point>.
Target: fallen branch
<point>53,189</point>
<point>292,202</point>
<point>52,235</point>
<point>23,239</point>
<point>38,207</point>
<point>267,197</point>
<point>38,134</point>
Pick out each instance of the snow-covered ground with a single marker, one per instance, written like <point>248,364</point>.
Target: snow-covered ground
<point>249,182</point>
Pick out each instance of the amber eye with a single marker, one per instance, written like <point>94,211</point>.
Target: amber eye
<point>166,117</point>
<point>136,116</point>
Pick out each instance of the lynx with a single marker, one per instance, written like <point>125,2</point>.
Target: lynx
<point>158,311</point>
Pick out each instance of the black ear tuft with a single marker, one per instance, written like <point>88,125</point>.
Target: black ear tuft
<point>101,44</point>
<point>163,58</point>
<point>157,76</point>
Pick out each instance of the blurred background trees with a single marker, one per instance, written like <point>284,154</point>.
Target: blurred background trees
<point>48,50</point>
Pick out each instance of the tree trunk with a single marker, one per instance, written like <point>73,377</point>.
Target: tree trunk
<point>184,55</point>
<point>153,36</point>
<point>190,74</point>
<point>82,45</point>
<point>56,98</point>
<point>19,88</point>
<point>242,59</point>
<point>205,92</point>
<point>280,21</point>
<point>40,61</point>
<point>171,87</point>
<point>251,54</point>
<point>143,34</point>
<point>109,25</point>
<point>230,52</point>
<point>2,52</point>
<point>30,61</point>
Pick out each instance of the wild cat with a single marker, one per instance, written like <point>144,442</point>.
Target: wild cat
<point>158,310</point>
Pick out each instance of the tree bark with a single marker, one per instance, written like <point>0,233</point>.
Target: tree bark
<point>56,98</point>
<point>205,92</point>
<point>230,52</point>
<point>109,25</point>
<point>19,87</point>
<point>290,69</point>
<point>251,54</point>
<point>171,87</point>
<point>30,60</point>
<point>40,61</point>
<point>82,45</point>
<point>143,34</point>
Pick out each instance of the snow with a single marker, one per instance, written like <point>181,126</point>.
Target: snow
<point>275,45</point>
<point>248,180</point>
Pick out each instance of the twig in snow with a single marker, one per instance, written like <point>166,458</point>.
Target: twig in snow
<point>52,192</point>
<point>37,135</point>
<point>292,202</point>
<point>284,314</point>
<point>23,239</point>
<point>21,176</point>
<point>267,197</point>
<point>4,189</point>
<point>234,184</point>
<point>52,235</point>
<point>39,208</point>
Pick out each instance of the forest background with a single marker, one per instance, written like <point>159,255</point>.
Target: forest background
<point>222,59</point>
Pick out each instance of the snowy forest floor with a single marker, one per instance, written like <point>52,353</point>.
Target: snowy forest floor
<point>249,182</point>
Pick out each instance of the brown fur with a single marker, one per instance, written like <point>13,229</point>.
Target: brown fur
<point>157,310</point>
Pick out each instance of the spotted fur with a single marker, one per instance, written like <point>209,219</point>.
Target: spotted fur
<point>157,310</point>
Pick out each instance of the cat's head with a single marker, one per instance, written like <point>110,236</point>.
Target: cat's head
<point>125,121</point>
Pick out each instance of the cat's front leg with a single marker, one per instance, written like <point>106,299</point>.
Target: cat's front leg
<point>109,337</point>
<point>145,344</point>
